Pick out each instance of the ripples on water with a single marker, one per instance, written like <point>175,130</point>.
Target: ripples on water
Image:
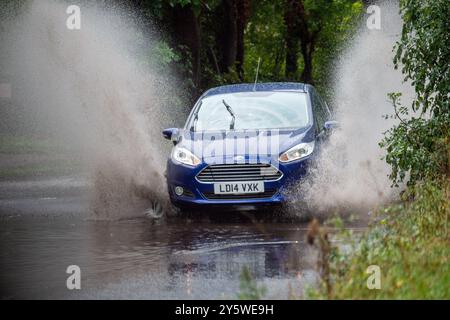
<point>141,259</point>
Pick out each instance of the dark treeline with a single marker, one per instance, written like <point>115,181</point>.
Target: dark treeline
<point>220,41</point>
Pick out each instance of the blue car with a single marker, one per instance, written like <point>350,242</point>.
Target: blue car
<point>244,144</point>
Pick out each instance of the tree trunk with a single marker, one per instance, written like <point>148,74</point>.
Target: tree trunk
<point>226,37</point>
<point>307,51</point>
<point>299,31</point>
<point>187,33</point>
<point>291,39</point>
<point>243,14</point>
<point>291,58</point>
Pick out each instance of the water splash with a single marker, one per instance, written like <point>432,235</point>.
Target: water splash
<point>351,173</point>
<point>94,91</point>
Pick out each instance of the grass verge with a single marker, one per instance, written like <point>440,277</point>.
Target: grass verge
<point>10,144</point>
<point>410,244</point>
<point>30,157</point>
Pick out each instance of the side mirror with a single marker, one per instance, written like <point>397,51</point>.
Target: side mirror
<point>170,133</point>
<point>330,125</point>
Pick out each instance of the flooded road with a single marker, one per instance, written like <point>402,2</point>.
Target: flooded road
<point>43,230</point>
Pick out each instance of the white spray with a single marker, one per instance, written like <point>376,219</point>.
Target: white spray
<point>351,173</point>
<point>93,89</point>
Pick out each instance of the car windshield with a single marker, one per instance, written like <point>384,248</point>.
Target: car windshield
<point>252,110</point>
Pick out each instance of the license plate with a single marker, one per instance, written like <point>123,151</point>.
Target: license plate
<point>239,187</point>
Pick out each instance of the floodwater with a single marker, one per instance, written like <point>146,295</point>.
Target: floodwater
<point>43,223</point>
<point>42,232</point>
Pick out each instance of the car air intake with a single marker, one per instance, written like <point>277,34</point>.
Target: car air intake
<point>239,172</point>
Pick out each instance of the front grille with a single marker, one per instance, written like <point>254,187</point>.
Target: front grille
<point>239,172</point>
<point>266,194</point>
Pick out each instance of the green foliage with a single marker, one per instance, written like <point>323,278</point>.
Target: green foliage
<point>340,22</point>
<point>165,54</point>
<point>43,162</point>
<point>265,35</point>
<point>155,8</point>
<point>410,244</point>
<point>10,144</point>
<point>249,289</point>
<point>196,4</point>
<point>419,145</point>
<point>424,53</point>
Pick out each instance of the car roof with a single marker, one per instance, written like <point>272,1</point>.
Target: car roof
<point>249,87</point>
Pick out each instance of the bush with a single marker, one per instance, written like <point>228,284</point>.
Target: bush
<point>410,244</point>
<point>418,147</point>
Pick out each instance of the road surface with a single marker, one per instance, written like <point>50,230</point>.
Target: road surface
<point>44,229</point>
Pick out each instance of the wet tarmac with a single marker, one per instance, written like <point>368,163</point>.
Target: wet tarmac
<point>43,230</point>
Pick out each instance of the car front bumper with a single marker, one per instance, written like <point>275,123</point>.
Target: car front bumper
<point>196,192</point>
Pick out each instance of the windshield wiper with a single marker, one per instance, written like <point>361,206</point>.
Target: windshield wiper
<point>194,122</point>
<point>232,114</point>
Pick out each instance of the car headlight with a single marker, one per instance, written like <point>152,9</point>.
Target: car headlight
<point>297,152</point>
<point>184,156</point>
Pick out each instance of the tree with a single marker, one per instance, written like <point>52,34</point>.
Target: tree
<point>230,20</point>
<point>226,34</point>
<point>220,41</point>
<point>291,20</point>
<point>419,144</point>
<point>208,35</point>
<point>187,33</point>
<point>310,24</point>
<point>264,38</point>
<point>298,29</point>
<point>243,13</point>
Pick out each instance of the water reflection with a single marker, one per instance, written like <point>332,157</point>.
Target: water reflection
<point>142,259</point>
